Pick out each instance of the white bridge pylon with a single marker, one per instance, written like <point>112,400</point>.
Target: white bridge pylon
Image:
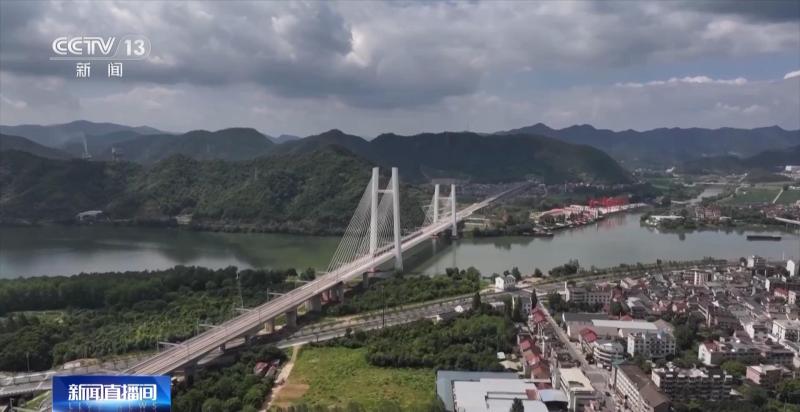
<point>376,228</point>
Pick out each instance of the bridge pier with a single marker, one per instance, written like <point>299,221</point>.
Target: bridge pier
<point>314,304</point>
<point>338,291</point>
<point>291,318</point>
<point>270,325</point>
<point>365,280</point>
<point>222,348</point>
<point>190,372</point>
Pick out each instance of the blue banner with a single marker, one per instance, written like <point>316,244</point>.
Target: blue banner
<point>115,393</point>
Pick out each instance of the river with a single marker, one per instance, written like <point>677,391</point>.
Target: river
<point>60,250</point>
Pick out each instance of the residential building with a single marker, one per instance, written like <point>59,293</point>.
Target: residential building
<point>715,352</point>
<point>590,296</point>
<point>651,345</point>
<point>635,391</point>
<point>756,330</point>
<point>756,262</point>
<point>767,376</point>
<point>493,392</point>
<point>607,352</point>
<point>576,386</point>
<point>504,283</point>
<point>683,385</point>
<point>785,329</point>
<point>792,267</point>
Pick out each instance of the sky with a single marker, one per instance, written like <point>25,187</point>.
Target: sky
<point>370,67</point>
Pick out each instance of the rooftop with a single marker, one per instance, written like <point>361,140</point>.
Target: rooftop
<point>494,395</point>
<point>647,388</point>
<point>575,379</point>
<point>624,324</point>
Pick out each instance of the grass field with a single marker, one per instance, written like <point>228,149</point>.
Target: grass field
<point>748,195</point>
<point>789,197</point>
<point>336,376</point>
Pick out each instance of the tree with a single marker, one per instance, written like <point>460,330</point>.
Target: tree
<point>534,299</point>
<point>516,314</point>
<point>734,368</point>
<point>537,273</point>
<point>476,301</point>
<point>516,273</point>
<point>517,406</point>
<point>308,274</point>
<point>213,405</point>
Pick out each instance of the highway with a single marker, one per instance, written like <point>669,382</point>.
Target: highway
<point>191,350</point>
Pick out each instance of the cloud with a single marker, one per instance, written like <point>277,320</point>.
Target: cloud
<point>789,75</point>
<point>302,67</point>
<point>739,81</point>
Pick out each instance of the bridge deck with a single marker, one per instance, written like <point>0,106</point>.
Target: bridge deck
<point>195,348</point>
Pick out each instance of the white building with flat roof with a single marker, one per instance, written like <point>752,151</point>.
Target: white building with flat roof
<point>576,386</point>
<point>495,395</point>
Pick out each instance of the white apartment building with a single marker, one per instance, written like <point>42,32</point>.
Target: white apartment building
<point>785,329</point>
<point>592,297</point>
<point>683,385</point>
<point>651,345</point>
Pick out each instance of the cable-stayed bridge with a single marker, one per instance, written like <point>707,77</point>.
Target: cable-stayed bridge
<point>374,237</point>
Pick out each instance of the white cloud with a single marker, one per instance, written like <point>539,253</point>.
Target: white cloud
<point>791,74</point>
<point>370,67</point>
<point>739,81</point>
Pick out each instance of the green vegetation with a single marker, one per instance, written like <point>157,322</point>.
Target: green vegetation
<point>789,197</point>
<point>735,368</point>
<point>750,195</point>
<point>393,369</point>
<point>759,165</point>
<point>475,157</point>
<point>338,376</point>
<point>232,388</point>
<point>105,314</point>
<point>567,269</point>
<point>663,148</point>
<point>400,290</point>
<point>468,342</point>
<point>312,192</point>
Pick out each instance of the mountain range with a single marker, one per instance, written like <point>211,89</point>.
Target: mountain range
<point>538,150</point>
<point>666,147</point>
<point>462,155</point>
<point>768,161</point>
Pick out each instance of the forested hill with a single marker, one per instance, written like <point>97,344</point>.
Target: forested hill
<point>462,155</point>
<point>227,144</point>
<point>474,157</point>
<point>314,192</point>
<point>666,147</point>
<point>766,161</point>
<point>9,142</point>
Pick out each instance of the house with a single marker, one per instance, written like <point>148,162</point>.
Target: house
<point>504,283</point>
<point>767,376</point>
